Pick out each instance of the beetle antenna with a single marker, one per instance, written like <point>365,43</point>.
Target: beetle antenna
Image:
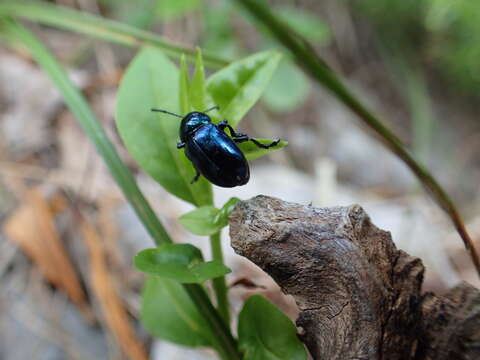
<point>212,108</point>
<point>167,112</point>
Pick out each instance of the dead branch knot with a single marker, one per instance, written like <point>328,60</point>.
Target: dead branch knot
<point>358,294</point>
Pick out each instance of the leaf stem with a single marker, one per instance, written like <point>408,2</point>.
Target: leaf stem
<point>99,27</point>
<point>219,284</point>
<point>226,344</point>
<point>308,59</point>
<point>224,341</point>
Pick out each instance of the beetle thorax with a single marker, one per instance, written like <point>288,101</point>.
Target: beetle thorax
<point>191,122</point>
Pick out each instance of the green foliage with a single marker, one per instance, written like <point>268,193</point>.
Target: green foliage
<point>265,333</point>
<point>455,26</point>
<point>237,87</point>
<point>391,14</point>
<point>180,262</point>
<point>304,23</point>
<point>140,13</point>
<point>168,313</point>
<point>288,89</point>
<point>78,105</point>
<point>171,9</point>
<point>170,310</point>
<point>197,92</point>
<point>208,220</point>
<point>152,81</point>
<point>444,33</point>
<point>144,13</point>
<point>201,221</point>
<point>183,87</point>
<point>218,35</point>
<point>225,211</point>
<point>97,26</point>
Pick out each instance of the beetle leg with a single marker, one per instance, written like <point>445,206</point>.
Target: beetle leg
<point>224,124</point>
<point>195,178</point>
<point>263,146</point>
<point>244,138</point>
<point>180,145</point>
<point>239,137</point>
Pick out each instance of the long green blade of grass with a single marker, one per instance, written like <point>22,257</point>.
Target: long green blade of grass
<point>92,128</point>
<point>99,27</point>
<point>226,344</point>
<point>308,59</point>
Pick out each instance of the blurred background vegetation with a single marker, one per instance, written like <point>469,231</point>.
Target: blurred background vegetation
<point>416,62</point>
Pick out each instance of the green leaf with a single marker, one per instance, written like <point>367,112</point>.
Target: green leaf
<point>152,81</point>
<point>305,24</point>
<point>237,87</point>
<point>168,313</point>
<point>179,262</point>
<point>171,9</point>
<point>251,151</point>
<point>208,220</point>
<point>209,270</point>
<point>199,98</point>
<point>197,88</point>
<point>265,333</point>
<point>221,219</point>
<point>201,221</point>
<point>288,89</point>
<point>184,85</point>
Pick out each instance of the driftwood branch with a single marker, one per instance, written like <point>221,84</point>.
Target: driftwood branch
<point>360,297</point>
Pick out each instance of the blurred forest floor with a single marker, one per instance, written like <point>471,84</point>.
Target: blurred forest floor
<point>69,290</point>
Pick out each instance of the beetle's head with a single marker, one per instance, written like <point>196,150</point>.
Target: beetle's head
<point>191,122</point>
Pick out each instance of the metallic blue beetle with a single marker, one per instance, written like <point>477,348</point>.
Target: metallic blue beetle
<point>212,152</point>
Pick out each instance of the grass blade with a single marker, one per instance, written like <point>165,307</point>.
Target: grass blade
<point>307,58</point>
<point>99,27</point>
<point>92,128</point>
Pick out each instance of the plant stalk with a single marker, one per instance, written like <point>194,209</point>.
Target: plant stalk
<point>219,284</point>
<point>307,58</point>
<point>226,344</point>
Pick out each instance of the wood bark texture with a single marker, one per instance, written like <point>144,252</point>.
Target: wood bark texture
<point>360,297</point>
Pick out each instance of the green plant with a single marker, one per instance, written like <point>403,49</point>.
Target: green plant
<point>152,80</point>
<point>289,87</point>
<point>176,305</point>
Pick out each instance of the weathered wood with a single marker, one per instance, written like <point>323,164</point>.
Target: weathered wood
<point>360,297</point>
